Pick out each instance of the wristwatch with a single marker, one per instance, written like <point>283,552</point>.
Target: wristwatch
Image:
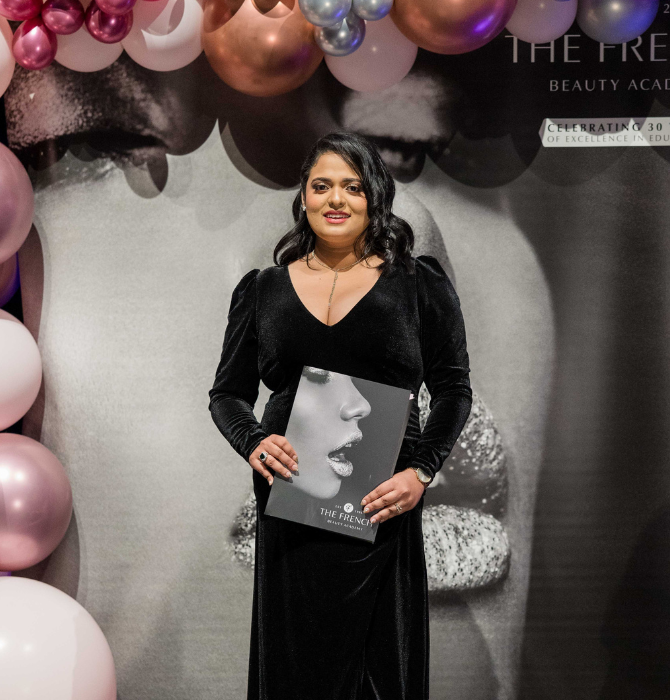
<point>421,475</point>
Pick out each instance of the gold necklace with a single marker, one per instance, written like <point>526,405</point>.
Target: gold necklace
<point>335,270</point>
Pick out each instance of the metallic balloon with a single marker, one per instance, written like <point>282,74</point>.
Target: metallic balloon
<point>451,26</point>
<point>616,21</point>
<point>34,44</point>
<point>63,16</point>
<point>116,7</point>
<point>36,502</point>
<point>107,28</point>
<point>9,279</point>
<point>325,13</point>
<point>18,10</point>
<point>260,54</point>
<point>342,38</point>
<point>372,10</point>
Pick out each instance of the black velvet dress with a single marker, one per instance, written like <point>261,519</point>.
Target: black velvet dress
<point>334,617</point>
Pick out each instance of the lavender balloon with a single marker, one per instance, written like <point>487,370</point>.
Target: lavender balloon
<point>616,21</point>
<point>16,204</point>
<point>63,16</point>
<point>116,7</point>
<point>343,38</point>
<point>541,21</point>
<point>372,10</point>
<point>324,13</point>
<point>18,10</point>
<point>35,500</point>
<point>109,29</point>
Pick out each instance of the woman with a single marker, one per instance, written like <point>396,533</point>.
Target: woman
<point>332,617</point>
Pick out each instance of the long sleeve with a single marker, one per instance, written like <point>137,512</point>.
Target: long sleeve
<point>446,365</point>
<point>237,379</point>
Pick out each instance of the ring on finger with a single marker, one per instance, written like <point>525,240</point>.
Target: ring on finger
<point>398,507</point>
<point>263,456</point>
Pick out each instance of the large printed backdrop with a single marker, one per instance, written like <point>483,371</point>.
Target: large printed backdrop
<point>156,192</point>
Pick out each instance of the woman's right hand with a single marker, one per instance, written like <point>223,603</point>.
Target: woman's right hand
<point>280,455</point>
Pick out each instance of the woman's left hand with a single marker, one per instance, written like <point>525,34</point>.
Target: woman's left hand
<point>402,488</point>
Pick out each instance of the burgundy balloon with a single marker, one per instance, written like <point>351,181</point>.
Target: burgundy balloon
<point>34,44</point>
<point>109,29</point>
<point>35,502</point>
<point>116,7</point>
<point>19,10</point>
<point>63,16</point>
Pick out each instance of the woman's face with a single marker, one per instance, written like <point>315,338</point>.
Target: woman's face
<point>332,186</point>
<point>324,425</point>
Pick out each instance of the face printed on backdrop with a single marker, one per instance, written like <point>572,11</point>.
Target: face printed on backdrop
<point>156,191</point>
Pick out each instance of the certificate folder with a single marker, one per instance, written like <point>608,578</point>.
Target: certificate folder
<point>347,432</point>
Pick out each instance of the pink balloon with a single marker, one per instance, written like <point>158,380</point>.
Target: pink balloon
<point>34,45</point>
<point>17,204</point>
<point>36,501</point>
<point>9,279</point>
<point>18,10</point>
<point>109,29</point>
<point>52,646</point>
<point>542,21</point>
<point>20,370</point>
<point>63,16</point>
<point>383,59</point>
<point>116,7</point>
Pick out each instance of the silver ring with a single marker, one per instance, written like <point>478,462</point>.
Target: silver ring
<point>397,507</point>
<point>263,456</point>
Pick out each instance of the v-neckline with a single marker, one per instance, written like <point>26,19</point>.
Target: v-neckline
<point>318,320</point>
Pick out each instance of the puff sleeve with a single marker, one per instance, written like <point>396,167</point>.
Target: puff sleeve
<point>237,379</point>
<point>446,365</point>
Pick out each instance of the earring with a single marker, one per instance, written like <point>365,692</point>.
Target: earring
<point>304,208</point>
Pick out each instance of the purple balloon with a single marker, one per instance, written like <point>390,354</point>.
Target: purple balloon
<point>9,279</point>
<point>34,44</point>
<point>109,29</point>
<point>116,7</point>
<point>35,502</point>
<point>63,16</point>
<point>616,21</point>
<point>18,10</point>
<point>17,204</point>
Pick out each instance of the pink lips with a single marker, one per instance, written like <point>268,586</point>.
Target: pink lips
<point>336,218</point>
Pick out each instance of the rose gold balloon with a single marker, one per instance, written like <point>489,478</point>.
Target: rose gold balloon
<point>35,502</point>
<point>260,54</point>
<point>451,26</point>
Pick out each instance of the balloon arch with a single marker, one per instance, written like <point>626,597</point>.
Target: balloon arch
<point>267,47</point>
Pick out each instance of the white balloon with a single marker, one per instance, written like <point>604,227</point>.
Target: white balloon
<point>542,21</point>
<point>20,371</point>
<point>82,53</point>
<point>166,34</point>
<point>7,61</point>
<point>51,647</point>
<point>383,59</point>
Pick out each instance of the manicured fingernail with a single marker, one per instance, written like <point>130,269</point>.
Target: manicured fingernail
<point>296,459</point>
<point>270,481</point>
<point>295,467</point>
<point>366,509</point>
<point>363,502</point>
<point>373,520</point>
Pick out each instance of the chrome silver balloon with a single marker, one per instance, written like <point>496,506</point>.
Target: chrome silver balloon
<point>343,38</point>
<point>372,10</point>
<point>615,21</point>
<point>325,13</point>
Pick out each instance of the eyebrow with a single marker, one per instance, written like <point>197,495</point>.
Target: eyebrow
<point>327,179</point>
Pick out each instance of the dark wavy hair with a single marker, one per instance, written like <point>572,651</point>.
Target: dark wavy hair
<point>387,235</point>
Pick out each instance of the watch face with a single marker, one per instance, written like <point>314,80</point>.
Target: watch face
<point>423,476</point>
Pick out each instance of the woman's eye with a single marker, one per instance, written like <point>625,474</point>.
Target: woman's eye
<point>317,375</point>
